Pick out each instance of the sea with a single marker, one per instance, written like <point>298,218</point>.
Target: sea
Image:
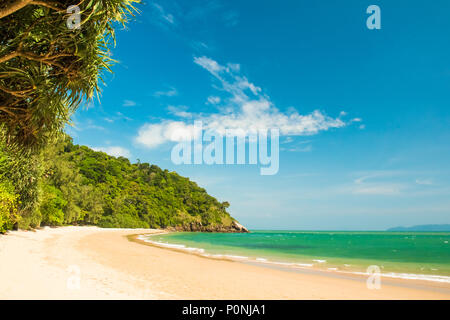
<point>408,255</point>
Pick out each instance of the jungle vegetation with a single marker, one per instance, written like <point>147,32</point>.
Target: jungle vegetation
<point>47,70</point>
<point>74,185</point>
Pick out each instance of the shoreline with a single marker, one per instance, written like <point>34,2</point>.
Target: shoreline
<point>41,265</point>
<point>421,280</point>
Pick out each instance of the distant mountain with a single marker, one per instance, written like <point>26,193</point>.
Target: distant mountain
<point>425,227</point>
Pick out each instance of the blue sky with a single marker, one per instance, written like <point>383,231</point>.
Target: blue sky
<point>364,115</point>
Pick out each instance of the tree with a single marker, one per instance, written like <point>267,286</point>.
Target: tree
<point>52,206</point>
<point>46,68</point>
<point>23,174</point>
<point>8,207</point>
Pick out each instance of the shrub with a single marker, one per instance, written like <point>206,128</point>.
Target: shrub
<point>52,206</point>
<point>8,208</point>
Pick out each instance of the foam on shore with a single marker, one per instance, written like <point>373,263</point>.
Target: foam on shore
<point>265,261</point>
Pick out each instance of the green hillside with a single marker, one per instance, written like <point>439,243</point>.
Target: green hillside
<point>72,184</point>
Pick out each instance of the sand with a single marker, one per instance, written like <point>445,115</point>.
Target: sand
<point>94,263</point>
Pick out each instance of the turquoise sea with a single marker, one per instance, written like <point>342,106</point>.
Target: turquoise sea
<point>414,255</point>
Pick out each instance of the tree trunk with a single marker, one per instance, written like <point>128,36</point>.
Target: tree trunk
<point>13,7</point>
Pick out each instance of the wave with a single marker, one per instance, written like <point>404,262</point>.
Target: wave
<point>320,261</point>
<point>172,246</point>
<point>409,276</point>
<point>295,265</point>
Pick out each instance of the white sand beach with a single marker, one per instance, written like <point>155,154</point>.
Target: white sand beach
<point>94,263</point>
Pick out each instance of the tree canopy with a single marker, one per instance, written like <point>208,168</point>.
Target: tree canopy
<point>72,184</point>
<point>46,68</point>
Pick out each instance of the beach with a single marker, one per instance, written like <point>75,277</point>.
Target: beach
<point>93,263</point>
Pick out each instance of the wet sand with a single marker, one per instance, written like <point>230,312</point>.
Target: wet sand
<point>94,263</point>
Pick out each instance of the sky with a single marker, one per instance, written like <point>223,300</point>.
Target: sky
<point>363,114</point>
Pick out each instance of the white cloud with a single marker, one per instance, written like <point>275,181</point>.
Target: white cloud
<point>163,15</point>
<point>385,183</point>
<point>307,148</point>
<point>168,93</point>
<point>179,111</point>
<point>399,183</point>
<point>121,116</point>
<point>243,107</point>
<point>214,100</point>
<point>209,64</point>
<point>361,126</point>
<point>301,146</point>
<point>424,182</point>
<point>385,190</point>
<point>128,103</point>
<point>287,140</point>
<point>114,151</point>
<point>88,125</point>
<point>199,45</point>
<point>153,135</point>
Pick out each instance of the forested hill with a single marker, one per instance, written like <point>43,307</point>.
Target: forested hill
<point>43,182</point>
<point>81,186</point>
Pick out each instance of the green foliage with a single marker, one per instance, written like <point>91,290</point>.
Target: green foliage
<point>83,204</point>
<point>115,193</point>
<point>46,68</point>
<point>23,172</point>
<point>8,208</point>
<point>52,206</point>
<point>122,221</point>
<point>70,184</point>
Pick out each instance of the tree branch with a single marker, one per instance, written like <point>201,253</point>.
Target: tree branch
<point>7,110</point>
<point>46,60</point>
<point>38,58</point>
<point>13,7</point>
<point>47,5</point>
<point>18,94</point>
<point>19,4</point>
<point>8,56</point>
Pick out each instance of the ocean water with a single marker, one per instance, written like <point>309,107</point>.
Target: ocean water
<point>413,255</point>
